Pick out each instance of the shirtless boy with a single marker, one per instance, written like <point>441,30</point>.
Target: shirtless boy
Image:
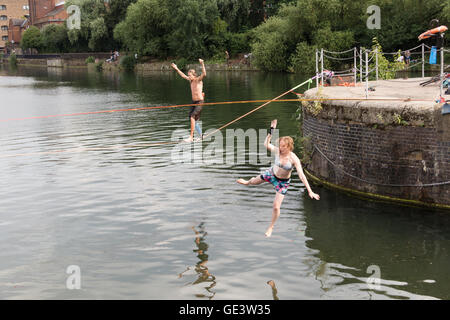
<point>198,96</point>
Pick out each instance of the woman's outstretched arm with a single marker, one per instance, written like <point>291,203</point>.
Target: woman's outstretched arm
<point>303,178</point>
<point>267,143</point>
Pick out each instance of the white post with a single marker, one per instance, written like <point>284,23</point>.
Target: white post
<point>354,63</point>
<point>367,74</point>
<point>442,71</point>
<point>376,62</point>
<point>321,58</point>
<point>423,60</point>
<point>317,68</point>
<point>360,65</point>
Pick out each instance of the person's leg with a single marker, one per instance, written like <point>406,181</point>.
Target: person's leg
<point>198,128</point>
<point>194,116</point>
<point>191,135</point>
<point>275,212</point>
<point>192,128</point>
<point>252,182</point>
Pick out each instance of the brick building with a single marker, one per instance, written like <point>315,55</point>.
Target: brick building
<point>43,12</point>
<point>15,29</point>
<point>11,9</point>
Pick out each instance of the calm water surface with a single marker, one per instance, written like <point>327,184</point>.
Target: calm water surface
<point>85,190</point>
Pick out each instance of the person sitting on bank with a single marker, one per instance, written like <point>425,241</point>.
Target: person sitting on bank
<point>111,57</point>
<point>407,58</point>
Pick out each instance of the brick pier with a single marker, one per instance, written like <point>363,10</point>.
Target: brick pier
<point>391,150</point>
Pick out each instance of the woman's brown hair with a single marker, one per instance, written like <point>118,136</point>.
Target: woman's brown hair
<point>288,140</point>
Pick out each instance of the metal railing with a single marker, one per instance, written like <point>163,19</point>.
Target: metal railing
<point>364,60</point>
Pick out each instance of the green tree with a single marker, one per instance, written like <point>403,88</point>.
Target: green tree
<point>219,39</point>
<point>54,38</point>
<point>235,13</point>
<point>182,28</point>
<point>303,59</point>
<point>333,40</point>
<point>192,24</point>
<point>404,20</point>
<point>276,39</point>
<point>93,31</point>
<point>31,39</point>
<point>272,6</point>
<point>446,12</point>
<point>270,50</point>
<point>336,41</point>
<point>115,14</point>
<point>145,28</point>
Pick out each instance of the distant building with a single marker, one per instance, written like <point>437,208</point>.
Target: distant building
<point>15,29</point>
<point>11,9</point>
<point>44,12</point>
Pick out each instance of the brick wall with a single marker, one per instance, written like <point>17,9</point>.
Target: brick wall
<point>39,8</point>
<point>376,157</point>
<point>43,12</point>
<point>14,9</point>
<point>14,32</point>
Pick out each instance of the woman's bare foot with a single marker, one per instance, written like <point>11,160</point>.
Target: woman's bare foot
<point>190,139</point>
<point>242,181</point>
<point>269,232</point>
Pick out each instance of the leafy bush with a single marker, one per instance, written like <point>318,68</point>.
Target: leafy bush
<point>386,68</point>
<point>31,39</point>
<point>13,59</point>
<point>216,42</point>
<point>217,58</point>
<point>239,42</point>
<point>145,28</point>
<point>336,41</point>
<point>302,60</point>
<point>276,39</point>
<point>99,66</point>
<point>181,63</point>
<point>192,23</point>
<point>270,53</point>
<point>90,59</point>
<point>54,38</point>
<point>128,63</point>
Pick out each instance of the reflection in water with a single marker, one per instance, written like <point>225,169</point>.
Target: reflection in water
<point>271,283</point>
<point>55,72</point>
<point>204,276</point>
<point>404,243</point>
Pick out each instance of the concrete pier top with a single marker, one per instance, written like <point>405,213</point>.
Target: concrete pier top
<point>405,89</point>
<point>415,104</point>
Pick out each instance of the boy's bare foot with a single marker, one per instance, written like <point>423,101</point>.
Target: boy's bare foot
<point>269,232</point>
<point>242,181</point>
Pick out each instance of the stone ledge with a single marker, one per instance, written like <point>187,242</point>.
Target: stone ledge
<point>404,111</point>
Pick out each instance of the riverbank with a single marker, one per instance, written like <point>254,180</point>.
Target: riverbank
<point>78,60</point>
<point>394,146</point>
